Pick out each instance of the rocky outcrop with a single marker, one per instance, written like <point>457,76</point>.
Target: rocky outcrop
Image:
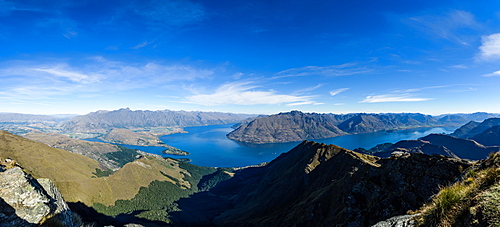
<point>25,201</point>
<point>398,221</point>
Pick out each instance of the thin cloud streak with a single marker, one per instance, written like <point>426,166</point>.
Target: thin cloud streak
<point>141,45</point>
<point>327,71</point>
<point>337,91</point>
<point>496,73</point>
<point>392,98</point>
<point>74,76</point>
<point>306,90</point>
<point>244,93</point>
<point>304,103</point>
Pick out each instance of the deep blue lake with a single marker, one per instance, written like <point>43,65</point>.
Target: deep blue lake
<point>209,146</point>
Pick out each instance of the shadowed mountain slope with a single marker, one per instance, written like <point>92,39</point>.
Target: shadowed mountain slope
<point>489,137</point>
<point>463,131</point>
<point>468,149</point>
<point>321,185</point>
<point>471,129</point>
<point>417,146</point>
<point>440,144</point>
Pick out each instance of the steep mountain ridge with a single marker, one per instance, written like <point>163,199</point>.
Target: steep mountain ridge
<point>452,119</point>
<point>465,129</point>
<point>104,121</point>
<point>467,149</point>
<point>417,146</point>
<point>287,127</point>
<point>489,137</point>
<point>471,129</point>
<point>439,144</point>
<point>321,185</point>
<point>298,126</point>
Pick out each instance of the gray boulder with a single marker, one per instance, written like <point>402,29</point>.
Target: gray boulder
<point>25,201</point>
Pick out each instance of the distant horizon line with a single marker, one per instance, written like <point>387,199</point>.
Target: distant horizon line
<point>214,111</point>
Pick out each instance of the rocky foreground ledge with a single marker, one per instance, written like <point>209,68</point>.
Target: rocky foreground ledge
<point>25,201</point>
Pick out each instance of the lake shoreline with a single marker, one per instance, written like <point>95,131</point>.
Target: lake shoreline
<point>209,146</point>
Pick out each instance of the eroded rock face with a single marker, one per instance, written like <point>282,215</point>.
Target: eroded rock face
<point>398,221</point>
<point>24,201</point>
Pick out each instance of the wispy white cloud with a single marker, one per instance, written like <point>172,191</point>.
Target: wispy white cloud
<point>306,90</point>
<point>328,71</point>
<point>461,90</point>
<point>27,93</point>
<point>412,94</point>
<point>496,73</point>
<point>246,93</point>
<point>337,91</point>
<point>422,88</point>
<point>490,47</point>
<point>392,98</point>
<point>446,26</point>
<point>27,80</point>
<point>60,71</point>
<point>141,45</point>
<point>304,103</point>
<point>459,66</point>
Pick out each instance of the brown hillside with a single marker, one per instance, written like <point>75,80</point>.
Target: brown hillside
<point>74,175</point>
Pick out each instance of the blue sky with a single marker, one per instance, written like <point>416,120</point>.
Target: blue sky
<point>266,56</point>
